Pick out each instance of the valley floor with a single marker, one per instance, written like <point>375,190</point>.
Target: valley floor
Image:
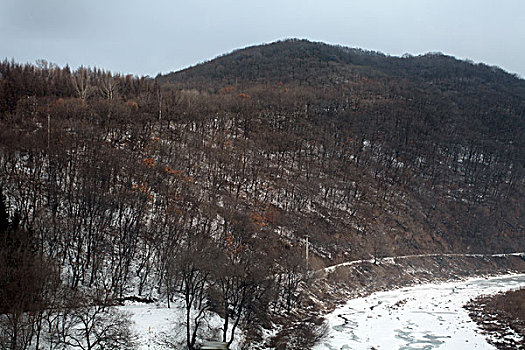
<point>426,316</point>
<point>422,317</point>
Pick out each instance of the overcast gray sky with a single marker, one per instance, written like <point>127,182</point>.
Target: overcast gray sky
<point>145,37</point>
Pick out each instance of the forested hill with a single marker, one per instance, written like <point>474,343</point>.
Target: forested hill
<point>133,185</point>
<point>451,126</point>
<point>474,99</point>
<point>319,64</point>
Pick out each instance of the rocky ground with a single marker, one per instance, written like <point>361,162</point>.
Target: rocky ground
<point>501,318</point>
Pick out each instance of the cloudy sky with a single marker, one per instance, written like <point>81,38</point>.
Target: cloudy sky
<point>145,37</point>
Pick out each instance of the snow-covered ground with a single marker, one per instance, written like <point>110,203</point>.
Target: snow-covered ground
<point>428,316</point>
<point>153,323</point>
<point>158,327</point>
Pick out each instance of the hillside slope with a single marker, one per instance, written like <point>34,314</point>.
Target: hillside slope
<point>201,185</point>
<point>442,139</point>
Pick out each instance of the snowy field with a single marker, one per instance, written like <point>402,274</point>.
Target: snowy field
<point>429,316</point>
<point>160,328</point>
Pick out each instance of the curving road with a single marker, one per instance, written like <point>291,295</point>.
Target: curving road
<point>427,316</point>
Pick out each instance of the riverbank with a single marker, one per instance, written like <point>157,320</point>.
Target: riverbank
<point>326,289</point>
<point>424,316</point>
<point>334,285</point>
<point>501,318</point>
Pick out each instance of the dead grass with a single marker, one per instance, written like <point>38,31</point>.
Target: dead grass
<point>502,318</point>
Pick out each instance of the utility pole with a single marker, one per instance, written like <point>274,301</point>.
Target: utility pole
<point>48,129</point>
<point>306,254</point>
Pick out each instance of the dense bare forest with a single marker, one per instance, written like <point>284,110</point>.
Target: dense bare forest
<point>202,184</point>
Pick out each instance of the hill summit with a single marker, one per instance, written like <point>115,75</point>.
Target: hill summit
<point>317,63</point>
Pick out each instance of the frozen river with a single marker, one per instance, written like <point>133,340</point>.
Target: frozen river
<point>427,316</point>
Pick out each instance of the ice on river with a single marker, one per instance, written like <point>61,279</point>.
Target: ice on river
<point>429,316</point>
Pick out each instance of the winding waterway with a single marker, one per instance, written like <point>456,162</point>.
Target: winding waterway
<point>428,316</point>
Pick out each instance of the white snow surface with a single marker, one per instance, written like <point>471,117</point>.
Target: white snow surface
<point>429,316</point>
<point>154,324</point>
